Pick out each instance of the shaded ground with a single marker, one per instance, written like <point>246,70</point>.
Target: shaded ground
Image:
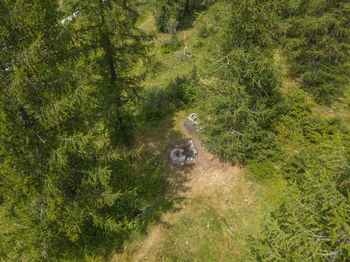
<point>213,205</point>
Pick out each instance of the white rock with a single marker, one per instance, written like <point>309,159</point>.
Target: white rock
<point>193,119</point>
<point>69,18</point>
<point>193,148</point>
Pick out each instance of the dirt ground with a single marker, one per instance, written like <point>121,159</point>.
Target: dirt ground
<point>220,185</point>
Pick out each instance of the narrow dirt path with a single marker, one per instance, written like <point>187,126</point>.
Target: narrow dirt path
<point>208,189</point>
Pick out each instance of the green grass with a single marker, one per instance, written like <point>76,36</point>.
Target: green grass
<point>146,21</point>
<point>204,234</point>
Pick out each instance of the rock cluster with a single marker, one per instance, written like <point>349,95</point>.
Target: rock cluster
<point>177,156</point>
<point>180,155</point>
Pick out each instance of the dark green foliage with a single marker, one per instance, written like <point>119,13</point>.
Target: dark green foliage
<point>297,104</point>
<point>239,107</point>
<point>154,104</point>
<point>317,46</point>
<point>169,13</point>
<point>207,22</point>
<point>297,119</point>
<point>234,131</point>
<point>251,25</point>
<point>243,110</point>
<point>317,129</point>
<point>169,47</point>
<point>173,43</point>
<point>183,90</point>
<point>66,190</point>
<point>111,46</point>
<point>158,102</point>
<point>312,221</point>
<point>69,187</point>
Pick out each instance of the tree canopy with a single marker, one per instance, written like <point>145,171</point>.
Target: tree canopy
<point>65,106</point>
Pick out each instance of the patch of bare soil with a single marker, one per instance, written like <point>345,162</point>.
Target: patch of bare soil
<point>207,177</point>
<point>208,173</point>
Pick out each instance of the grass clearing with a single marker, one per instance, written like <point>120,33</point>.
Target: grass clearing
<point>146,21</point>
<point>213,211</point>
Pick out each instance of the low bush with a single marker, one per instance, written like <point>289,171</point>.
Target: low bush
<point>261,171</point>
<point>154,104</point>
<point>168,47</point>
<point>178,10</point>
<point>158,102</point>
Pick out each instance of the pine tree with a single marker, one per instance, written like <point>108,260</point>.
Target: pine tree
<point>65,190</point>
<point>170,12</point>
<point>240,103</point>
<point>111,46</point>
<point>318,45</point>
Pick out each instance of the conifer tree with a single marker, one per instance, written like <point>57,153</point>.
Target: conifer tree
<point>64,188</point>
<point>240,103</point>
<point>167,11</point>
<point>317,46</point>
<point>111,46</point>
<point>311,222</point>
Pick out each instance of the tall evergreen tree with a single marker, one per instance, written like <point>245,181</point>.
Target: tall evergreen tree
<point>64,188</point>
<point>168,12</point>
<point>318,44</point>
<point>241,101</point>
<point>111,45</point>
<point>310,221</point>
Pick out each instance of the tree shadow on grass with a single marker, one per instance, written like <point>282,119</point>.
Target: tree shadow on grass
<point>159,186</point>
<point>158,137</point>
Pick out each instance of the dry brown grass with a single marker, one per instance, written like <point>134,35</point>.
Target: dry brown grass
<point>207,191</point>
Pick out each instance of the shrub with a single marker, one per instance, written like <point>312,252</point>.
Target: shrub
<point>261,171</point>
<point>298,103</point>
<point>182,90</point>
<point>158,102</point>
<point>168,47</point>
<point>155,66</point>
<point>154,104</point>
<point>177,10</point>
